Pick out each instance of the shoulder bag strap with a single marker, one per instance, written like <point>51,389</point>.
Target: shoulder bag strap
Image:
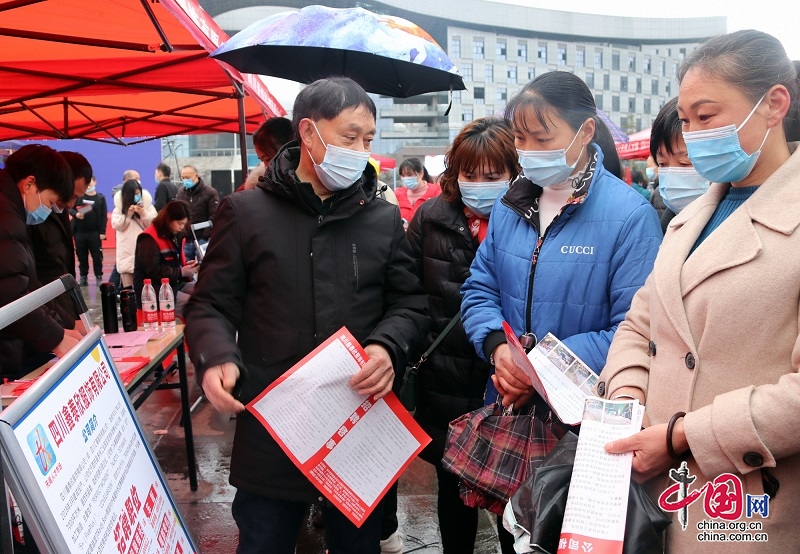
<point>432,347</point>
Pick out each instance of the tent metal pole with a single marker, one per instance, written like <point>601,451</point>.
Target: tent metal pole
<point>242,136</point>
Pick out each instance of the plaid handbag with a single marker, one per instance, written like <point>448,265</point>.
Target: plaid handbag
<point>493,451</point>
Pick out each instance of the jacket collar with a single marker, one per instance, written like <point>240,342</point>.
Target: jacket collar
<point>449,215</point>
<point>523,194</point>
<point>281,179</point>
<point>775,205</point>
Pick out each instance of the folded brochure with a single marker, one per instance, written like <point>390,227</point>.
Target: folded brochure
<point>556,373</point>
<point>351,447</point>
<point>597,501</point>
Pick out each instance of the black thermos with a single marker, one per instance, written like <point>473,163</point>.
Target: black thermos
<point>127,304</point>
<point>108,299</point>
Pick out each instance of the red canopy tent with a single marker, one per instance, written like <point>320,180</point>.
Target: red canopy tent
<point>637,147</point>
<point>109,69</point>
<point>385,161</point>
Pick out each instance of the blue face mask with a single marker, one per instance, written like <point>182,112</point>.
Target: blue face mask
<point>410,183</point>
<point>679,186</point>
<point>91,189</point>
<point>38,215</point>
<point>188,183</point>
<point>480,197</point>
<point>717,155</point>
<point>341,167</point>
<point>137,198</point>
<point>650,172</point>
<point>548,167</point>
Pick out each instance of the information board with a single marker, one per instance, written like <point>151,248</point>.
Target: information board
<point>77,462</point>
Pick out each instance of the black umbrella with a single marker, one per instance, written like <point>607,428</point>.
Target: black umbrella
<point>384,54</point>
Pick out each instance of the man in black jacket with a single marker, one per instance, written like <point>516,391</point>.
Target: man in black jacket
<point>165,189</point>
<point>53,247</point>
<point>203,201</point>
<point>309,250</point>
<point>34,179</point>
<point>90,217</point>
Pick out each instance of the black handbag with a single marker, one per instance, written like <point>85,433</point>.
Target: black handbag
<point>409,389</point>
<point>540,502</point>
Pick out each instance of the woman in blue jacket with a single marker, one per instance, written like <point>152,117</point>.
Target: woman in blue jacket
<point>568,245</point>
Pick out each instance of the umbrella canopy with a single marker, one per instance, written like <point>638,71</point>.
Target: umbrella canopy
<point>384,54</point>
<point>636,148</point>
<point>616,132</point>
<point>119,68</point>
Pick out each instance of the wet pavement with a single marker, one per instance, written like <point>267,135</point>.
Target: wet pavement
<point>206,511</point>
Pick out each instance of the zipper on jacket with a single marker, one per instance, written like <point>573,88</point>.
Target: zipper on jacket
<point>534,259</point>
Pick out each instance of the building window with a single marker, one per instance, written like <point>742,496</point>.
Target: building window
<point>542,52</point>
<point>615,61</point>
<point>455,47</point>
<point>522,51</point>
<point>646,105</point>
<point>669,51</point>
<point>647,67</point>
<point>589,79</point>
<point>502,95</point>
<point>466,71</point>
<point>580,57</point>
<point>531,73</point>
<point>489,73</point>
<point>668,88</point>
<point>632,104</point>
<point>477,48</point>
<point>562,54</point>
<point>512,74</point>
<point>598,101</point>
<point>623,84</point>
<point>598,58</point>
<point>479,94</point>
<point>606,82</point>
<point>631,62</point>
<point>681,53</point>
<point>638,84</point>
<point>654,87</point>
<point>674,69</point>
<point>615,103</point>
<point>501,50</point>
<point>638,123</point>
<point>466,115</point>
<point>457,96</point>
<point>662,68</point>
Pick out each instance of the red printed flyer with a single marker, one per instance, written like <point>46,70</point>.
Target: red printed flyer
<point>350,446</point>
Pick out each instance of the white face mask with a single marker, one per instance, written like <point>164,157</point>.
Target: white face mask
<point>341,167</point>
<point>548,167</point>
<point>480,197</point>
<point>410,182</point>
<point>679,186</point>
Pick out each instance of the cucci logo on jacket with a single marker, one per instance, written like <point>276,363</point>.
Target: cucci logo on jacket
<point>588,250</point>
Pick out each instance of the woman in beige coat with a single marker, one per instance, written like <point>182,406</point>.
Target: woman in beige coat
<point>714,333</point>
<point>133,212</point>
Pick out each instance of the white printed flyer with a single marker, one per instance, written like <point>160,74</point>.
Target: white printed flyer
<point>597,502</point>
<point>558,375</point>
<point>351,447</point>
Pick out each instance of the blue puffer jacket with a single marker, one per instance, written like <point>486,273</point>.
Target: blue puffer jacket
<point>591,261</point>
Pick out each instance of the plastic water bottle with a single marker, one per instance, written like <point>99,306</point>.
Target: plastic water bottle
<point>149,306</point>
<point>166,304</point>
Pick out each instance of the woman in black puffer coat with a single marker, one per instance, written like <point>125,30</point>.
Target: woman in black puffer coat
<point>444,234</point>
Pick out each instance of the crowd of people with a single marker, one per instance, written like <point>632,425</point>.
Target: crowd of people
<point>681,296</point>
